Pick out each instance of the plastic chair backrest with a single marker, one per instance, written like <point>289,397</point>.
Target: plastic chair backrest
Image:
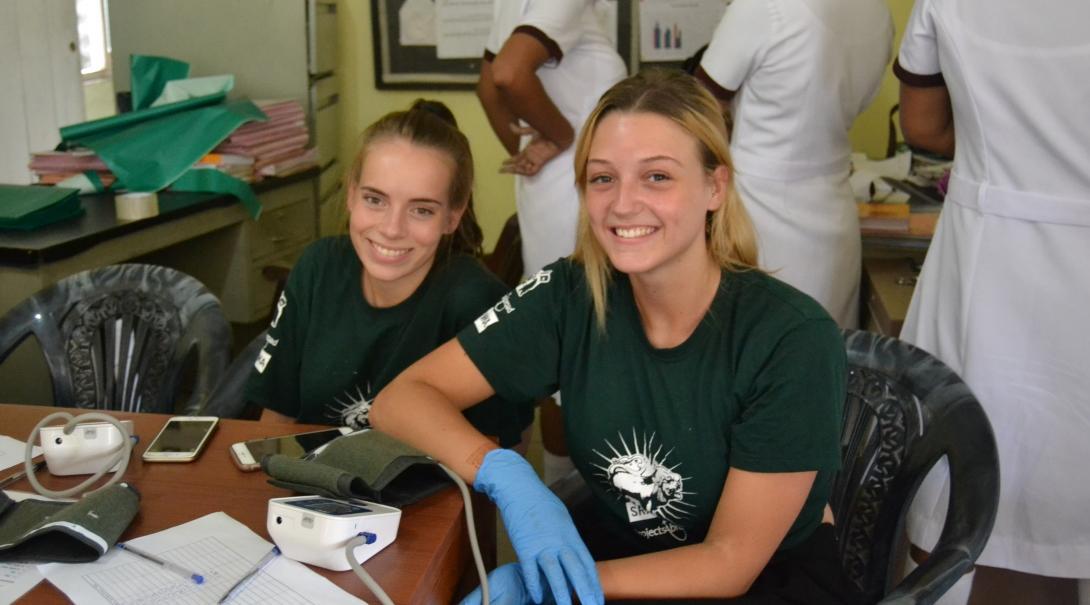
<point>506,258</point>
<point>905,409</point>
<point>118,337</point>
<point>228,399</point>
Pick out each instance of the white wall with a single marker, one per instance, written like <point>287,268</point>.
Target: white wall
<point>41,90</point>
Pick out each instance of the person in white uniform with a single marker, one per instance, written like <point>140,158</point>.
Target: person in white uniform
<point>797,73</point>
<point>545,65</point>
<point>1004,294</point>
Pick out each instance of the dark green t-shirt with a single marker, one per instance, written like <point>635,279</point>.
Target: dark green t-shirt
<point>758,386</point>
<point>328,352</point>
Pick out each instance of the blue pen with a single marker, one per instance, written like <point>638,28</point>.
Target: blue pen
<point>178,569</point>
<point>238,586</point>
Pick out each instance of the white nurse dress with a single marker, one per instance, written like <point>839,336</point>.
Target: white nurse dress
<point>1004,295</point>
<point>583,64</point>
<point>803,70</point>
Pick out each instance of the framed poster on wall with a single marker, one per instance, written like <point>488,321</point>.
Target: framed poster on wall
<point>438,44</point>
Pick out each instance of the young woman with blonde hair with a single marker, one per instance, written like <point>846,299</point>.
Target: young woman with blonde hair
<point>702,397</point>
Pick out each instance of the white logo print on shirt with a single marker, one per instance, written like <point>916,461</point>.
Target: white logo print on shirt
<point>355,412</point>
<point>651,489</point>
<point>492,316</point>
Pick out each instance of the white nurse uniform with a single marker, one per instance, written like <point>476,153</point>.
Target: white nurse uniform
<point>1004,295</point>
<point>582,65</point>
<point>803,70</point>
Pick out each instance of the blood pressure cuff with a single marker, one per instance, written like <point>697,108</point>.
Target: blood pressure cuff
<point>368,465</point>
<point>66,532</point>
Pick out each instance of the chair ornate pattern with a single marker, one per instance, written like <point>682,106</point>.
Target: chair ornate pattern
<point>118,337</point>
<point>904,410</point>
<point>875,437</point>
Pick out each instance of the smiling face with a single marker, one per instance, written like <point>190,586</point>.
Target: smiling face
<point>648,194</point>
<point>399,212</point>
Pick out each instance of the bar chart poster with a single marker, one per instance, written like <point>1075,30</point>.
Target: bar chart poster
<point>671,30</point>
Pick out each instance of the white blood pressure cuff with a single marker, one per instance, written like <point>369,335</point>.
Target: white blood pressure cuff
<point>48,531</point>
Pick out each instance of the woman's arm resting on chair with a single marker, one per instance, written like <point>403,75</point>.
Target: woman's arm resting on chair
<point>754,513</point>
<point>426,401</point>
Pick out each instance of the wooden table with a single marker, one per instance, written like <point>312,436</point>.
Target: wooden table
<point>886,291</point>
<point>424,565</point>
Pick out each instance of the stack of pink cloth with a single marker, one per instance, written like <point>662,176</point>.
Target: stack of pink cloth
<point>52,167</point>
<point>278,146</point>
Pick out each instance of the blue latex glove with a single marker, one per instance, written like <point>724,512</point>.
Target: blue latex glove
<point>505,587</point>
<point>541,530</point>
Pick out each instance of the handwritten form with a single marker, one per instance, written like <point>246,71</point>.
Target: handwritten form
<point>215,546</point>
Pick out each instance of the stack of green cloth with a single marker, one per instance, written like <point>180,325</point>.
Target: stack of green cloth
<point>28,207</point>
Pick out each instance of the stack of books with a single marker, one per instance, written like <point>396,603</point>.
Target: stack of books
<point>278,147</point>
<point>879,217</point>
<point>52,167</point>
<point>238,166</point>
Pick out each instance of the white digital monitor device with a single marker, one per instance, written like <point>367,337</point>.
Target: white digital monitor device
<point>316,530</point>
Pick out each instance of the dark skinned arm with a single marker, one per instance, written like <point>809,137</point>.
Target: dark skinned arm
<point>927,118</point>
<point>500,118</point>
<point>514,74</point>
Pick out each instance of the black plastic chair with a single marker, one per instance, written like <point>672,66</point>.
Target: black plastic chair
<point>905,410</point>
<point>227,399</point>
<point>120,338</point>
<point>506,258</point>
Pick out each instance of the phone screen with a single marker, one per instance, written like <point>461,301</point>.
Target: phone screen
<point>291,445</point>
<point>181,436</point>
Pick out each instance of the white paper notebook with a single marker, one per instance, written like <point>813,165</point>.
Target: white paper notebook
<point>215,546</point>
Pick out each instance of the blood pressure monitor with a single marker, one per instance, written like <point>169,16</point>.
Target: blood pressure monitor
<point>315,530</point>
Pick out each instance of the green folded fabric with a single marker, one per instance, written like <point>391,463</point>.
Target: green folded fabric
<point>368,465</point>
<point>151,155</point>
<point>149,75</point>
<point>209,179</point>
<point>73,135</point>
<point>17,201</point>
<point>66,532</point>
<point>194,88</point>
<point>29,207</point>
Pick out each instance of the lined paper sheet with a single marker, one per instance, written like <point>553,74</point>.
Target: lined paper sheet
<point>215,546</point>
<point>12,452</point>
<point>16,579</point>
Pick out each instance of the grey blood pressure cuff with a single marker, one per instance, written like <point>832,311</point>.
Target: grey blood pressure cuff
<point>66,532</point>
<point>368,465</point>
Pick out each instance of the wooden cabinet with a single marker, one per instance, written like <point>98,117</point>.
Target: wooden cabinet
<point>887,289</point>
<point>230,260</point>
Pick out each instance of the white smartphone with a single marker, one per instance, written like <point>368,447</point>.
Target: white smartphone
<point>181,439</point>
<point>248,454</point>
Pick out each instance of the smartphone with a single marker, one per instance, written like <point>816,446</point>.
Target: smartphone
<point>248,454</point>
<point>181,439</point>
